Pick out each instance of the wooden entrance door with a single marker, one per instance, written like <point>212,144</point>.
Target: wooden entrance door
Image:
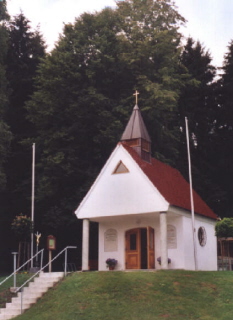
<point>150,248</point>
<point>134,255</point>
<point>133,249</point>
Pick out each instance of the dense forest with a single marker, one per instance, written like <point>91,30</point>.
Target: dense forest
<point>75,101</point>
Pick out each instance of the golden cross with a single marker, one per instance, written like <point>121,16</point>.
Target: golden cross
<point>136,94</point>
<point>38,235</point>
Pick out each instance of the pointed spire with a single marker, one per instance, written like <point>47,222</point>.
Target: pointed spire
<point>136,134</point>
<point>136,127</point>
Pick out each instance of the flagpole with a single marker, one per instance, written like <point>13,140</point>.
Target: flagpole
<point>33,200</point>
<point>191,196</point>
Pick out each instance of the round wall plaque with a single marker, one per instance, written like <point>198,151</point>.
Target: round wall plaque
<point>202,236</point>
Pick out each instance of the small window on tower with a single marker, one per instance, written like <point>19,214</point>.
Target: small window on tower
<point>133,142</point>
<point>120,168</point>
<point>145,145</point>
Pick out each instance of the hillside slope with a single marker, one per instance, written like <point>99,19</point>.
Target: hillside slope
<point>138,295</point>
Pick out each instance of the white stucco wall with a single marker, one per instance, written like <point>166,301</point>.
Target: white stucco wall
<point>177,255</point>
<point>182,256</point>
<point>122,225</point>
<point>119,254</point>
<point>139,221</point>
<point>189,262</point>
<point>206,255</point>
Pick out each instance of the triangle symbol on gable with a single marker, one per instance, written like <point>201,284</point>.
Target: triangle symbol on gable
<point>120,168</point>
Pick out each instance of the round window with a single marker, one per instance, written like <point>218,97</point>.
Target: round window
<point>202,236</point>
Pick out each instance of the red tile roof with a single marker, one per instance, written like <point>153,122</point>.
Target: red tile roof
<point>171,184</point>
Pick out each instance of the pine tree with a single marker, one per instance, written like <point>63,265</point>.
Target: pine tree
<point>197,102</point>
<point>224,132</point>
<point>5,134</point>
<point>25,49</point>
<point>5,137</point>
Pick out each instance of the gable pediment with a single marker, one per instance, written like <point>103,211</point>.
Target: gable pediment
<point>121,194</point>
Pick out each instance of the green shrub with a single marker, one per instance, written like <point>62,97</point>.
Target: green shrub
<point>224,228</point>
<point>22,226</point>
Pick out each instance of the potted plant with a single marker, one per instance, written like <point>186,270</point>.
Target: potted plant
<point>111,263</point>
<point>159,260</point>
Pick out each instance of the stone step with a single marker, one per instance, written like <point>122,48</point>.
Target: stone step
<point>25,299</point>
<point>17,304</point>
<point>40,286</point>
<point>9,314</point>
<point>46,279</point>
<point>27,294</point>
<point>51,275</point>
<point>37,289</point>
<point>6,316</point>
<point>11,311</point>
<point>43,283</point>
<point>30,294</point>
<point>34,290</point>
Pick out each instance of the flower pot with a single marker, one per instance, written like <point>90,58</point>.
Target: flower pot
<point>111,267</point>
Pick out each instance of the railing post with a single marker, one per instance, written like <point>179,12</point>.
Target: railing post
<point>41,259</point>
<point>14,282</point>
<point>65,261</point>
<point>50,261</point>
<point>21,300</point>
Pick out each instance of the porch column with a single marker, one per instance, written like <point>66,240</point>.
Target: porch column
<point>85,245</point>
<point>163,240</point>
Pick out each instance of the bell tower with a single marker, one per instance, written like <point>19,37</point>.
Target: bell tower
<point>136,134</point>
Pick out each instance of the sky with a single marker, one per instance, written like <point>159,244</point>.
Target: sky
<point>209,21</point>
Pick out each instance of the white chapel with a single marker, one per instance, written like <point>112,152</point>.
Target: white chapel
<point>143,210</point>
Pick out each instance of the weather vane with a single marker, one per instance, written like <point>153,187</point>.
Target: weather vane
<point>136,94</point>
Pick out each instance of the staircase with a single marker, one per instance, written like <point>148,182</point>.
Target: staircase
<point>31,294</point>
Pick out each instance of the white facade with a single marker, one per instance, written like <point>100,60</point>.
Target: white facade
<point>180,250</point>
<point>120,202</point>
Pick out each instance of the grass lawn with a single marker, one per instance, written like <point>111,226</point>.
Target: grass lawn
<point>138,295</point>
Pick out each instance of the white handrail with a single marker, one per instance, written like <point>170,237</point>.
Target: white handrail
<point>15,271</point>
<point>68,247</point>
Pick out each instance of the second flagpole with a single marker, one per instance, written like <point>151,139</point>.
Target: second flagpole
<point>191,196</point>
